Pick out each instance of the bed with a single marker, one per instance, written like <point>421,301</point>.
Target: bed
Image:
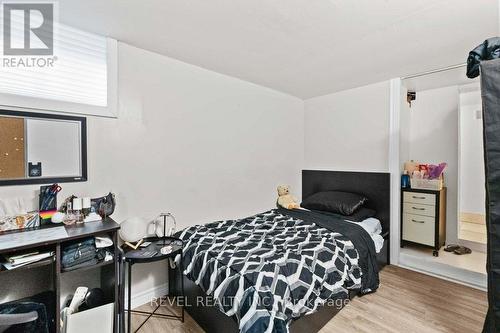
<point>285,270</point>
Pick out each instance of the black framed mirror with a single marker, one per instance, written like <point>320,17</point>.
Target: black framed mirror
<point>41,148</point>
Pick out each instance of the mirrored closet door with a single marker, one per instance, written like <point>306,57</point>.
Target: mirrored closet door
<point>440,122</point>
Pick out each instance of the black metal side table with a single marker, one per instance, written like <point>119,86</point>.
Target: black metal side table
<point>147,254</point>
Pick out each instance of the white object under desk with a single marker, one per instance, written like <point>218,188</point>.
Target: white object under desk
<point>423,218</point>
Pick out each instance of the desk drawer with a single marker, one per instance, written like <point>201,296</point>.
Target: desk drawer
<point>419,229</point>
<point>414,208</point>
<point>420,198</point>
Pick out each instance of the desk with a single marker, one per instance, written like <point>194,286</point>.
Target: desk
<point>110,269</point>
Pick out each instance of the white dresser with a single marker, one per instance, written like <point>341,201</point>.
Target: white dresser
<point>423,218</point>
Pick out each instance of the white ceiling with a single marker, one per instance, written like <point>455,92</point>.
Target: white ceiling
<point>302,47</point>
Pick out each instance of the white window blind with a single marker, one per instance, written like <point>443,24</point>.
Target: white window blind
<point>82,78</point>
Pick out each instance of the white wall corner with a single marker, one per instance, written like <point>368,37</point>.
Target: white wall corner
<point>394,165</point>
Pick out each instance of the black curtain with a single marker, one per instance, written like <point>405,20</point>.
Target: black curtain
<point>490,93</point>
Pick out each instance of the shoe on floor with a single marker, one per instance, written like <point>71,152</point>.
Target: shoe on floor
<point>451,247</point>
<point>462,250</point>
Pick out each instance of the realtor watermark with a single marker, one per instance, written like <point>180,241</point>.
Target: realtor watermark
<point>28,34</point>
<point>266,302</point>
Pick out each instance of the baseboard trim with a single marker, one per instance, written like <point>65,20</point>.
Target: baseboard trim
<point>473,218</point>
<point>467,278</point>
<point>474,246</point>
<point>146,296</point>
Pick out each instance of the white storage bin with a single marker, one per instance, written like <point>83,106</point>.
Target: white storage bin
<point>95,320</point>
<point>427,184</point>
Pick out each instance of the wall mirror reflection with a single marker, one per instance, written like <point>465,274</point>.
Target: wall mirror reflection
<point>443,123</point>
<point>472,210</point>
<point>42,148</point>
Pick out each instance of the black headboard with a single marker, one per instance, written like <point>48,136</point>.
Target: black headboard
<point>374,185</point>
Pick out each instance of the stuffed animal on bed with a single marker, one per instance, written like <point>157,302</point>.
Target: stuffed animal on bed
<point>285,199</point>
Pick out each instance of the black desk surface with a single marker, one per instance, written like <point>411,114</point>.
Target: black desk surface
<point>74,231</point>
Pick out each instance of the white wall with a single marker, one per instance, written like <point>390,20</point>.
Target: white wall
<point>434,139</point>
<point>472,192</point>
<point>187,140</point>
<point>404,129</point>
<point>348,130</point>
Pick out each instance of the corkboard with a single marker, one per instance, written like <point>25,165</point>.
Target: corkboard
<point>12,156</point>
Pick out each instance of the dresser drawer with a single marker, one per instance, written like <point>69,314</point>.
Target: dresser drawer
<point>415,208</point>
<point>419,198</point>
<point>419,229</point>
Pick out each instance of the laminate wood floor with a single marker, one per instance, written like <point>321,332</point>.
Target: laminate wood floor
<point>405,302</point>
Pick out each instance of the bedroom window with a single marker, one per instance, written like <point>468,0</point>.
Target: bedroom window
<point>79,77</point>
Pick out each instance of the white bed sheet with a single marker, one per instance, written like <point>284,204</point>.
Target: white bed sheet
<point>374,228</point>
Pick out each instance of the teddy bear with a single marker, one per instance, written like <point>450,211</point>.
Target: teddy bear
<point>285,199</point>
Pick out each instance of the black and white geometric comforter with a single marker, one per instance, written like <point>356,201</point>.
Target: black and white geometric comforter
<point>270,268</point>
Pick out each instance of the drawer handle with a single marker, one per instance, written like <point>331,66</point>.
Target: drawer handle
<point>415,197</point>
<point>417,208</point>
<point>417,221</point>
